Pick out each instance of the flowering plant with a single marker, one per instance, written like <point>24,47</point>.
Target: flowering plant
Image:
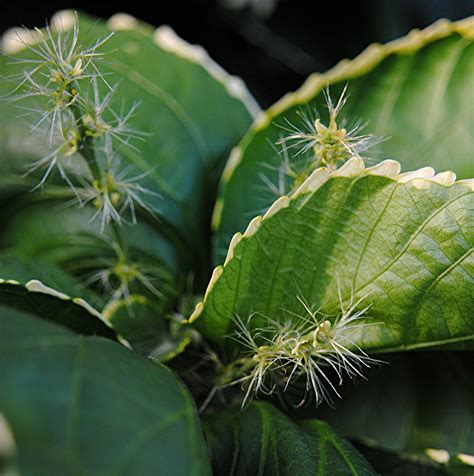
<point>341,284</point>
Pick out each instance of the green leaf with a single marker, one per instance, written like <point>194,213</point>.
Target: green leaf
<point>85,405</point>
<point>68,236</point>
<point>68,239</point>
<point>425,401</point>
<point>49,304</point>
<point>40,289</point>
<point>18,268</point>
<point>403,244</point>
<point>142,323</point>
<point>393,464</point>
<point>416,92</point>
<point>262,440</point>
<point>193,111</point>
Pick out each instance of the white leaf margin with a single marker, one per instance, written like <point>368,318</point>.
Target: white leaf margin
<point>345,70</point>
<point>421,178</point>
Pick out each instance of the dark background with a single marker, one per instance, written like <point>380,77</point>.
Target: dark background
<point>272,44</point>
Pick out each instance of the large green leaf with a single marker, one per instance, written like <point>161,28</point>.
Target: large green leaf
<point>425,401</point>
<point>263,441</point>
<point>403,244</point>
<point>193,111</point>
<point>84,405</point>
<point>416,92</point>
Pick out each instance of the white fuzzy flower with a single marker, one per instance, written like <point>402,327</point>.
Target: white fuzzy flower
<point>311,346</point>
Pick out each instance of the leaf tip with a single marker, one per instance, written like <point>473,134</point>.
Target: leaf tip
<point>314,181</point>
<point>423,173</point>
<point>466,459</point>
<point>216,274</point>
<point>352,168</point>
<point>196,313</point>
<point>85,305</point>
<point>466,27</point>
<point>446,178</point>
<point>469,183</point>
<point>386,168</point>
<point>17,39</point>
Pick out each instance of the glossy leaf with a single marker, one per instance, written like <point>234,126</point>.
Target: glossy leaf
<point>262,440</point>
<point>192,110</point>
<point>85,405</point>
<point>425,401</point>
<point>415,92</point>
<point>68,237</point>
<point>51,305</point>
<point>44,290</point>
<point>402,244</point>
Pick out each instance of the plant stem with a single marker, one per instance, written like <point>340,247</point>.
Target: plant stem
<point>86,145</point>
<point>87,151</point>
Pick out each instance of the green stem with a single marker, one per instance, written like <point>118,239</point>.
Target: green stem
<point>86,147</point>
<point>118,238</point>
<point>87,150</point>
<point>235,370</point>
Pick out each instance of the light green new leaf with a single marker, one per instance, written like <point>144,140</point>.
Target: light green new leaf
<point>262,440</point>
<point>85,405</point>
<point>415,92</point>
<point>403,244</point>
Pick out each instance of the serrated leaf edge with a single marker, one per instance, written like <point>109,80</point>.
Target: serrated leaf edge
<point>36,286</point>
<point>345,69</point>
<point>422,179</point>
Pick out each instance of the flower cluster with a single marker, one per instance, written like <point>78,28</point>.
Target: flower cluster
<point>120,276</point>
<point>280,353</point>
<point>62,85</point>
<point>312,144</point>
